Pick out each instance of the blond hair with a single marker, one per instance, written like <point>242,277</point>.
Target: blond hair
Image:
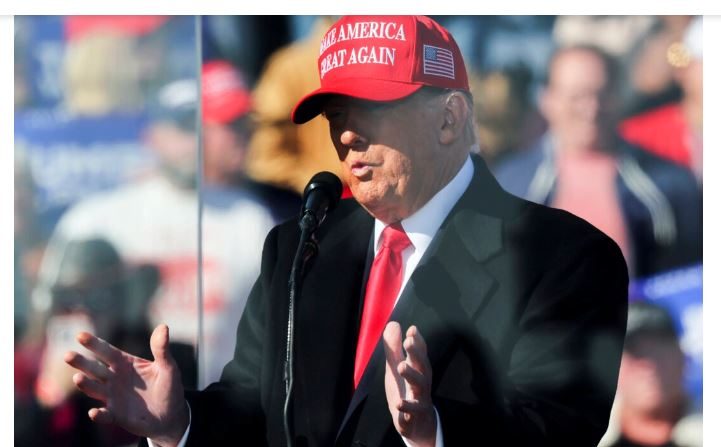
<point>102,74</point>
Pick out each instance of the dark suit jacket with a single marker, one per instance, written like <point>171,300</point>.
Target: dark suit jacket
<point>523,309</point>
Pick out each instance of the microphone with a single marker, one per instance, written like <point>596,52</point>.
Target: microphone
<point>320,196</point>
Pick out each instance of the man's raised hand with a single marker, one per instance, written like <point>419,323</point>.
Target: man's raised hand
<point>408,385</point>
<point>144,397</point>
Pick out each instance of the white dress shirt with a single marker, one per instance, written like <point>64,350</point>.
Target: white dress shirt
<point>421,227</point>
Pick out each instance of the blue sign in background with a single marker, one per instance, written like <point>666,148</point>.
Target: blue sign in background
<point>44,63</point>
<point>72,157</point>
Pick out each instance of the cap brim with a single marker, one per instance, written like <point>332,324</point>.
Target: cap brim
<point>368,89</point>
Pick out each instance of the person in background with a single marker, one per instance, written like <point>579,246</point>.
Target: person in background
<point>675,131</point>
<point>651,79</point>
<point>638,44</point>
<point>649,206</point>
<point>650,406</point>
<point>507,119</point>
<point>94,82</point>
<point>28,245</point>
<point>160,53</point>
<point>154,220</point>
<point>282,154</point>
<point>506,58</point>
<point>29,240</point>
<point>94,291</point>
<point>228,126</point>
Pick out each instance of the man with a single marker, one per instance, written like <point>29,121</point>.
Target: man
<point>650,207</point>
<point>675,130</point>
<point>281,153</point>
<point>651,408</point>
<point>506,318</point>
<point>229,116</point>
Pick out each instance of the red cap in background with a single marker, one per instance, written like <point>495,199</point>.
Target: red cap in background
<point>225,94</point>
<point>78,26</point>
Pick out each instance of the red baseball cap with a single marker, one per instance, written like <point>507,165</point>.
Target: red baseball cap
<point>79,26</point>
<point>225,94</point>
<point>383,58</point>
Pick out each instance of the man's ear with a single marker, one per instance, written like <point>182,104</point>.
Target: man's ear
<point>455,114</point>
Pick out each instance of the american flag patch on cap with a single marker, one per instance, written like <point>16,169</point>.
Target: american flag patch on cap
<point>438,62</point>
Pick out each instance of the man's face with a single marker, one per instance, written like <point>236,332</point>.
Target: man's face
<point>223,153</point>
<point>576,102</point>
<point>389,151</point>
<point>651,380</point>
<point>176,149</point>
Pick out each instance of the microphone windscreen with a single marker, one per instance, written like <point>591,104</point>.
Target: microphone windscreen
<point>327,181</point>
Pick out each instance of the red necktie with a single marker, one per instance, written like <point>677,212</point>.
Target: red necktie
<point>384,282</point>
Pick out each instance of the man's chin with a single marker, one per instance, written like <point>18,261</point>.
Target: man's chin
<point>371,202</point>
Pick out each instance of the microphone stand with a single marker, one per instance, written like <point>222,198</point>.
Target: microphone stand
<point>307,249</point>
<point>320,196</point>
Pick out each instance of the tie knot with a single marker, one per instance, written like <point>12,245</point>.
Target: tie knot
<point>395,238</point>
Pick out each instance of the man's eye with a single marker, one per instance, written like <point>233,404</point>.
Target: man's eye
<point>378,107</point>
<point>334,116</point>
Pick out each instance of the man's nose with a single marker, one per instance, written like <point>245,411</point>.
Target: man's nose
<point>353,138</point>
<point>590,107</point>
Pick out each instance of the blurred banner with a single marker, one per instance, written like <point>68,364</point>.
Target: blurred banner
<point>73,157</point>
<point>45,36</point>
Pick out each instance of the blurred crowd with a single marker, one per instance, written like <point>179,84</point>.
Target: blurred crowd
<point>122,222</point>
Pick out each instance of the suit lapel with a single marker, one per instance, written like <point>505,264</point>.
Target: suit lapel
<point>449,284</point>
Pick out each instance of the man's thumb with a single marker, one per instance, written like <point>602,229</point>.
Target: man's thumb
<point>159,344</point>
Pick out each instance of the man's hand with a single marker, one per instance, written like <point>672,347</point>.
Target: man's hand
<point>143,397</point>
<point>408,385</point>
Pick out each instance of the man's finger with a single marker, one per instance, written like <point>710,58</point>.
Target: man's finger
<point>159,342</point>
<point>92,368</point>
<point>393,346</point>
<point>418,382</point>
<point>415,347</point>
<point>392,343</point>
<point>413,407</point>
<point>104,351</point>
<point>415,333</point>
<point>101,415</point>
<point>91,387</point>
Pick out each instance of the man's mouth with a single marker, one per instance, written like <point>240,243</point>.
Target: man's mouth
<point>359,169</point>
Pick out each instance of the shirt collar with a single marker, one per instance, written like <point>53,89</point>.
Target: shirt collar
<point>422,225</point>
